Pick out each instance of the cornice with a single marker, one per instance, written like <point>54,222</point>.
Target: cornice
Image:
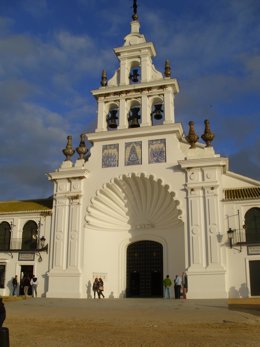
<point>137,47</point>
<point>103,91</point>
<point>68,173</point>
<point>202,162</point>
<point>160,130</point>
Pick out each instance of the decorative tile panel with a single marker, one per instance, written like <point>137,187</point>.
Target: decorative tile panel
<point>110,155</point>
<point>157,151</point>
<point>133,153</point>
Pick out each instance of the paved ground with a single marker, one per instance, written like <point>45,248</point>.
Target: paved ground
<point>130,322</point>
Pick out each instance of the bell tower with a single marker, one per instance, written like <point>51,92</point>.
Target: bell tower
<point>137,95</point>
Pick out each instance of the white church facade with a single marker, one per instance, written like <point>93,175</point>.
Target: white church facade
<point>147,201</point>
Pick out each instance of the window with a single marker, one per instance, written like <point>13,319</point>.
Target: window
<point>29,240</point>
<point>252,225</point>
<point>5,235</point>
<point>2,275</point>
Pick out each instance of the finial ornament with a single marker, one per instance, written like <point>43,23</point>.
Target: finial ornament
<point>68,151</point>
<point>208,135</point>
<point>82,149</point>
<point>167,68</point>
<point>135,16</point>
<point>192,137</point>
<point>104,79</point>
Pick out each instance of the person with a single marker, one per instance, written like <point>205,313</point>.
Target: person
<point>184,285</point>
<point>177,286</point>
<point>167,284</point>
<point>95,287</point>
<point>2,312</point>
<point>34,284</point>
<point>100,288</point>
<point>15,284</point>
<point>26,285</point>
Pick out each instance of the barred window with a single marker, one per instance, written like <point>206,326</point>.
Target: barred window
<point>5,235</point>
<point>252,224</point>
<point>29,240</point>
<point>2,275</point>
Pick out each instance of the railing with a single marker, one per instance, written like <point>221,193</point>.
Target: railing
<point>239,236</point>
<point>244,237</point>
<point>21,245</point>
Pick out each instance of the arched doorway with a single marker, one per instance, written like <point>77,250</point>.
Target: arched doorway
<point>144,269</point>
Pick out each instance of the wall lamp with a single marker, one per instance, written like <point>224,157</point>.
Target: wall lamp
<point>230,233</point>
<point>42,248</point>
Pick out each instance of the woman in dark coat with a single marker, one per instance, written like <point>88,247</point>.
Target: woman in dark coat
<point>2,312</point>
<point>100,288</point>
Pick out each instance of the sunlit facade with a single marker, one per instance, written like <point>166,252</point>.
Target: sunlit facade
<point>146,201</point>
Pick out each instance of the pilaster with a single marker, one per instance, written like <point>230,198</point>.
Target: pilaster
<point>101,117</point>
<point>123,123</point>
<point>124,71</point>
<point>203,199</point>
<point>146,117</point>
<point>168,106</point>
<point>66,254</point>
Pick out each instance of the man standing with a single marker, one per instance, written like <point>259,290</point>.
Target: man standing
<point>167,284</point>
<point>34,284</point>
<point>15,284</point>
<point>178,283</point>
<point>184,285</point>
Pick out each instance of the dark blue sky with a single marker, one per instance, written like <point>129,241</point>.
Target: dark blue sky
<point>52,54</point>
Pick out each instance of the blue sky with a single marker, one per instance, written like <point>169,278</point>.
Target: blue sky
<point>52,54</point>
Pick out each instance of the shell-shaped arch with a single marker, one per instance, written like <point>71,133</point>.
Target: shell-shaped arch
<point>133,202</point>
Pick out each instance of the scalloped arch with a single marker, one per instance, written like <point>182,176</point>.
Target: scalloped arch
<point>133,202</point>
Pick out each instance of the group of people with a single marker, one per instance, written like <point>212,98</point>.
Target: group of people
<point>98,288</point>
<point>180,286</point>
<point>26,283</point>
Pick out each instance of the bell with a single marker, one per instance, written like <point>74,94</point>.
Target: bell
<point>111,119</point>
<point>134,76</point>
<point>133,118</point>
<point>157,113</point>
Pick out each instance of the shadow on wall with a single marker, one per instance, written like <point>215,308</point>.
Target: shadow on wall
<point>122,295</point>
<point>10,287</point>
<point>242,292</point>
<point>111,295</point>
<point>88,290</point>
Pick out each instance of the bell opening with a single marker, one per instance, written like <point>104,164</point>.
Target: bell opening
<point>133,119</point>
<point>134,75</point>
<point>157,114</point>
<point>112,119</point>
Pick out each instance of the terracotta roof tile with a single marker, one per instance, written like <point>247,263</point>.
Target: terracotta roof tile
<point>25,205</point>
<point>242,193</point>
